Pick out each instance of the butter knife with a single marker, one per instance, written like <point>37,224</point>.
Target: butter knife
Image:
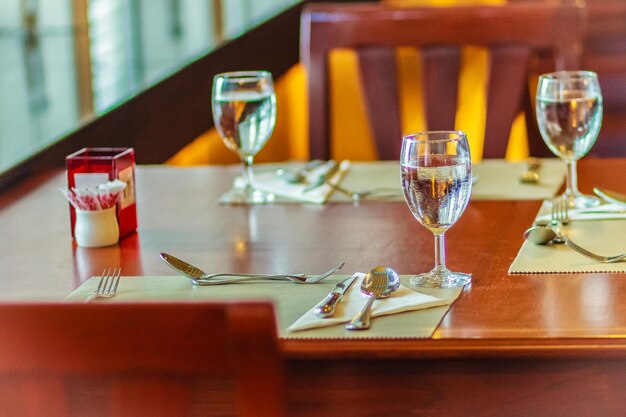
<point>326,307</point>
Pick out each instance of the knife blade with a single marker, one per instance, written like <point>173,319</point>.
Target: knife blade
<point>326,307</point>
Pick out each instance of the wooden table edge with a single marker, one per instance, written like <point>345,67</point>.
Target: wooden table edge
<point>399,349</point>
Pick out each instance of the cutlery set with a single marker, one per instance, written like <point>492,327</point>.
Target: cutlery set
<point>380,282</point>
<point>324,172</point>
<point>542,233</point>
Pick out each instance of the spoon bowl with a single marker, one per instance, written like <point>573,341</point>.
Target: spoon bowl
<point>540,234</point>
<point>380,282</point>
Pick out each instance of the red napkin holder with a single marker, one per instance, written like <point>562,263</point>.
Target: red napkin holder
<point>93,166</point>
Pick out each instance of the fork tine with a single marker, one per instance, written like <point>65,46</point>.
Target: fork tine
<point>565,212</point>
<point>109,280</point>
<point>102,280</point>
<point>116,280</point>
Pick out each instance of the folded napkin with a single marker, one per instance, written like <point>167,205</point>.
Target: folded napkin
<point>353,301</point>
<point>284,191</point>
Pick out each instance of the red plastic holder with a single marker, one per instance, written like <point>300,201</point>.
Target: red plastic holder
<point>90,167</point>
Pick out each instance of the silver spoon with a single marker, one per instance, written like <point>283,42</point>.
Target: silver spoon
<point>380,282</point>
<point>540,235</point>
<point>610,196</point>
<point>199,277</point>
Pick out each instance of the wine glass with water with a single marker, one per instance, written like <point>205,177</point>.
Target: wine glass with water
<point>436,171</point>
<point>244,112</point>
<point>569,115</point>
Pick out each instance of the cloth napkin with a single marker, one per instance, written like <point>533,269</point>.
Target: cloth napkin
<point>284,191</point>
<point>353,301</point>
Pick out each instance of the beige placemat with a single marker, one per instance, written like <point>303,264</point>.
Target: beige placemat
<point>499,180</point>
<point>602,236</point>
<point>267,179</point>
<point>291,300</point>
<point>496,180</point>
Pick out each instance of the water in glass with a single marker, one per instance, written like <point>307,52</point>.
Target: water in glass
<point>569,115</point>
<point>436,175</point>
<point>244,112</point>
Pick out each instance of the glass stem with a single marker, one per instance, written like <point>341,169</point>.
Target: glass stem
<point>248,174</point>
<point>440,252</point>
<point>571,179</point>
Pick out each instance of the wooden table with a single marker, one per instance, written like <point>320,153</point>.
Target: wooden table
<point>527,345</point>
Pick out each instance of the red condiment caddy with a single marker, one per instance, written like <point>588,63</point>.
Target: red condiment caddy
<point>90,167</point>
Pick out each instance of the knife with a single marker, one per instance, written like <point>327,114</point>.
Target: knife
<point>326,307</point>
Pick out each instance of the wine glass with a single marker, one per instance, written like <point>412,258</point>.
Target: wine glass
<point>569,115</point>
<point>436,171</point>
<point>244,112</point>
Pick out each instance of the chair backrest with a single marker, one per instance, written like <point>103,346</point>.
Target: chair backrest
<point>513,35</point>
<point>605,53</point>
<point>152,359</point>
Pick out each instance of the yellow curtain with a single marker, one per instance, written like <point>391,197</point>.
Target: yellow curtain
<point>351,135</point>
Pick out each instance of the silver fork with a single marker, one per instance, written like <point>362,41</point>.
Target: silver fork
<point>298,279</point>
<point>382,192</point>
<point>560,216</point>
<point>594,256</point>
<point>107,287</point>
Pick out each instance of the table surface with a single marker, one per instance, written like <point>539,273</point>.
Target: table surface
<point>569,315</point>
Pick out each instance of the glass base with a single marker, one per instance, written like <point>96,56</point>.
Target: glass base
<point>581,201</point>
<point>441,279</point>
<point>247,196</point>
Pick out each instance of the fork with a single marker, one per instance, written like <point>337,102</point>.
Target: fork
<point>383,192</point>
<point>107,287</point>
<point>560,216</point>
<point>594,256</point>
<point>298,279</point>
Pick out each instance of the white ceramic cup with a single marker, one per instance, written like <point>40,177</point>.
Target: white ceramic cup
<point>96,228</point>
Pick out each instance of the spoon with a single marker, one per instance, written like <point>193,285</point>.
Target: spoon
<point>195,273</point>
<point>199,277</point>
<point>610,196</point>
<point>540,235</point>
<point>380,282</point>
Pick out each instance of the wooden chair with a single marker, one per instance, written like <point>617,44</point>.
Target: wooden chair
<point>515,35</point>
<point>139,360</point>
<point>605,53</point>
